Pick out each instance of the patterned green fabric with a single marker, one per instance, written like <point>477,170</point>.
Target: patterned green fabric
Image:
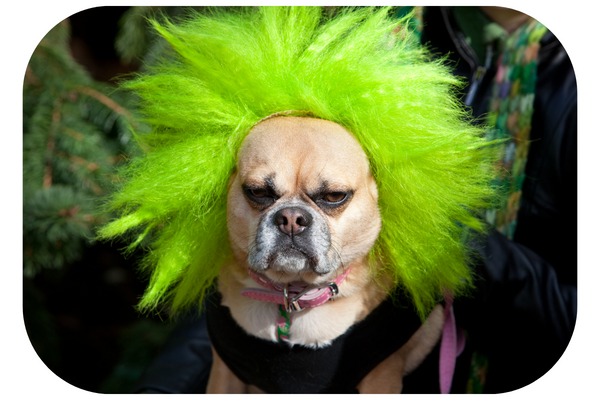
<point>510,113</point>
<point>509,117</point>
<point>477,374</point>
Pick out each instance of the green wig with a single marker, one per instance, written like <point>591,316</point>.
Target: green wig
<point>360,69</point>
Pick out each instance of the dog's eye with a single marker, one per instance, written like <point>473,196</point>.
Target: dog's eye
<point>334,197</point>
<point>333,202</point>
<point>258,193</point>
<point>259,196</point>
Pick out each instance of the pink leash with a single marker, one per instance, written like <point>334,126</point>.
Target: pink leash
<point>452,345</point>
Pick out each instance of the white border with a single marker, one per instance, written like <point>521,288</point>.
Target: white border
<point>25,23</point>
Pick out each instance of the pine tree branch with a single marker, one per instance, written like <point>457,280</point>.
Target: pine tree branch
<point>107,101</point>
<point>69,212</point>
<point>116,159</point>
<point>90,166</point>
<point>30,77</point>
<point>47,177</point>
<point>50,145</point>
<point>74,134</point>
<point>97,189</point>
<point>82,162</point>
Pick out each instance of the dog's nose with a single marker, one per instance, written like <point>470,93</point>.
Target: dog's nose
<point>292,221</point>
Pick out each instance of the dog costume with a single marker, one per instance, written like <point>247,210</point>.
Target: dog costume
<point>338,368</point>
<point>359,69</point>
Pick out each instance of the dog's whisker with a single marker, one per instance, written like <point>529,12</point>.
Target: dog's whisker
<point>337,252</point>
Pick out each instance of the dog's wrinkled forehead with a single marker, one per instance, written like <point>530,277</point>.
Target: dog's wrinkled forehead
<point>299,154</point>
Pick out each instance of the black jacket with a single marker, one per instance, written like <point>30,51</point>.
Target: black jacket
<point>523,312</point>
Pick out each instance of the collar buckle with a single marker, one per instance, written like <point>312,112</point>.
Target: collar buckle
<point>293,304</point>
<point>334,289</point>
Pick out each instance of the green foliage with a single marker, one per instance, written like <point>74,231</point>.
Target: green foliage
<point>133,39</point>
<point>75,131</point>
<point>228,70</point>
<point>137,41</point>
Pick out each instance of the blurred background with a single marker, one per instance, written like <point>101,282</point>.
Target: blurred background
<point>79,294</point>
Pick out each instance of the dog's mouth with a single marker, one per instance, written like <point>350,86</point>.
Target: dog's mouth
<point>293,266</point>
<point>284,247</point>
<point>293,252</point>
<point>292,259</point>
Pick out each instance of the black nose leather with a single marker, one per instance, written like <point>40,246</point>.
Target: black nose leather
<point>292,221</point>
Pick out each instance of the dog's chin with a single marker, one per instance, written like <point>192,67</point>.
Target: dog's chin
<point>292,265</point>
<point>290,260</point>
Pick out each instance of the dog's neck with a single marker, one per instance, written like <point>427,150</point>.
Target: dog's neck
<point>292,297</point>
<point>315,327</point>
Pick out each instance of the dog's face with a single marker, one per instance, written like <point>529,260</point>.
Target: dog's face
<point>302,203</point>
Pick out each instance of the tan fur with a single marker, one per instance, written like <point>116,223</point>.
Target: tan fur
<point>222,380</point>
<point>299,154</point>
<point>387,376</point>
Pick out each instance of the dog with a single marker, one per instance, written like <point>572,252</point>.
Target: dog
<point>272,128</point>
<point>302,211</point>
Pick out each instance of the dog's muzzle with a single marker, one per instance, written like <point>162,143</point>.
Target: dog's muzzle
<point>292,238</point>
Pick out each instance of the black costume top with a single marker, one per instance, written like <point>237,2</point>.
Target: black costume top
<point>338,368</point>
<point>184,364</point>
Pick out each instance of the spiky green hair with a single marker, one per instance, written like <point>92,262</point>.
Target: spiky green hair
<point>230,70</point>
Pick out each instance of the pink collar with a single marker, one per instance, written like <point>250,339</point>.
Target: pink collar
<point>294,296</point>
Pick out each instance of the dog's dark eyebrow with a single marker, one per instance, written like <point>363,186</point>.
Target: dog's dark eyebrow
<point>268,183</point>
<point>321,190</point>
